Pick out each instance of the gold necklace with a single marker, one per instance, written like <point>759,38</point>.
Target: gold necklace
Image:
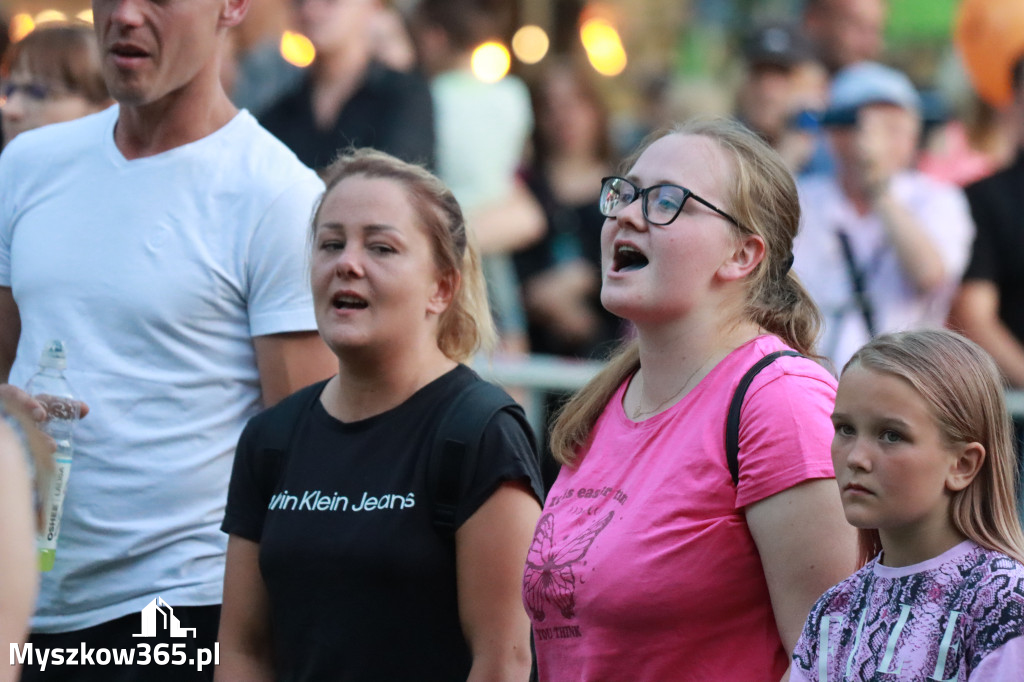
<point>639,413</point>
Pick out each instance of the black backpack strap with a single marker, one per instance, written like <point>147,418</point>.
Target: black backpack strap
<point>279,429</point>
<point>732,421</point>
<point>454,455</point>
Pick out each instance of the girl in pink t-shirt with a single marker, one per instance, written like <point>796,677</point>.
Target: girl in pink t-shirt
<point>648,562</point>
<point>924,457</point>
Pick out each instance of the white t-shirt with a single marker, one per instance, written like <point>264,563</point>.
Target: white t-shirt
<point>157,273</point>
<point>482,129</point>
<point>942,212</point>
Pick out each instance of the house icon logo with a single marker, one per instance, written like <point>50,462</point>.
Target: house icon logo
<point>160,612</point>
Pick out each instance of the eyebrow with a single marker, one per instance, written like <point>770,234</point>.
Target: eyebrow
<point>664,181</point>
<point>892,422</point>
<point>371,228</point>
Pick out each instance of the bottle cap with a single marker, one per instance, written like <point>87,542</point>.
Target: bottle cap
<point>54,355</point>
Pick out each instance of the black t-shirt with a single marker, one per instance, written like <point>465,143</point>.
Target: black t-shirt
<point>361,584</point>
<point>574,233</point>
<point>391,111</point>
<point>997,205</point>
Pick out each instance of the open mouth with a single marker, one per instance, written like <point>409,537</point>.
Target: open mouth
<point>128,51</point>
<point>628,258</point>
<point>348,302</point>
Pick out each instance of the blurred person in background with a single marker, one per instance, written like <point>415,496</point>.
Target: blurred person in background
<point>846,32</point>
<point>262,74</point>
<point>561,275</point>
<point>572,153</point>
<point>989,307</point>
<point>348,97</point>
<point>976,141</point>
<point>481,131</point>
<point>5,33</point>
<point>882,247</point>
<point>784,88</point>
<point>51,75</point>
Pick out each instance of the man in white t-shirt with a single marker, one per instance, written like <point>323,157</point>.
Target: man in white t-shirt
<point>163,240</point>
<point>881,248</point>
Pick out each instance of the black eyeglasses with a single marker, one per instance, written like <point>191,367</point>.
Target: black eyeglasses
<point>661,203</point>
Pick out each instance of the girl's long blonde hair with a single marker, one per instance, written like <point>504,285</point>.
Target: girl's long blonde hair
<point>763,199</point>
<point>964,389</point>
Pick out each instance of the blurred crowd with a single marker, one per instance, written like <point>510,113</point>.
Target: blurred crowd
<point>878,158</point>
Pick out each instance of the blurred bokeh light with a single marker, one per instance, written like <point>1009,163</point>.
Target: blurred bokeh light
<point>490,62</point>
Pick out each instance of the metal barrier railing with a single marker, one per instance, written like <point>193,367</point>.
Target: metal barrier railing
<point>538,373</point>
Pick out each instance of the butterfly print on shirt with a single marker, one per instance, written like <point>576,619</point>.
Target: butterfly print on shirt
<point>548,576</point>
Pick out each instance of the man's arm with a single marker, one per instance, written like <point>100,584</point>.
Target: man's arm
<point>976,312</point>
<point>290,361</point>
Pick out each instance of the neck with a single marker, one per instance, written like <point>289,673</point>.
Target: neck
<point>173,121</point>
<point>674,359</point>
<point>902,547</point>
<point>371,382</point>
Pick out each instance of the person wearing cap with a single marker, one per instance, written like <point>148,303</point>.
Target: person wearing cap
<point>784,86</point>
<point>882,247</point>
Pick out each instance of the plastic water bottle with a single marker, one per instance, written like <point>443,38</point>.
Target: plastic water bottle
<point>51,388</point>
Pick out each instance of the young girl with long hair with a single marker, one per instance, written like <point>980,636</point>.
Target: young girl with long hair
<point>648,562</point>
<point>925,464</point>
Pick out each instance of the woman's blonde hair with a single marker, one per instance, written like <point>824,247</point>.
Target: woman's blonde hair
<point>763,198</point>
<point>466,325</point>
<point>964,389</point>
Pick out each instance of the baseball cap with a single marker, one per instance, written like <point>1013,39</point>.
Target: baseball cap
<point>777,43</point>
<point>868,83</point>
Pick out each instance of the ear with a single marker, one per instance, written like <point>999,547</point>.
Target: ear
<point>233,11</point>
<point>749,251</point>
<point>444,292</point>
<point>966,463</point>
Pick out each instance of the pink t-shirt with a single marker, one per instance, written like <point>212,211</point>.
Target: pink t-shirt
<point>642,566</point>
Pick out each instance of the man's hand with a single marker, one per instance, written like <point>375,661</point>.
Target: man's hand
<point>18,399</point>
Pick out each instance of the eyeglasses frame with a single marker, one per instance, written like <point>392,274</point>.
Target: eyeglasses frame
<point>641,195</point>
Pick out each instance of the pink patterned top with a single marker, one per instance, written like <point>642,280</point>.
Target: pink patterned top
<point>956,617</point>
